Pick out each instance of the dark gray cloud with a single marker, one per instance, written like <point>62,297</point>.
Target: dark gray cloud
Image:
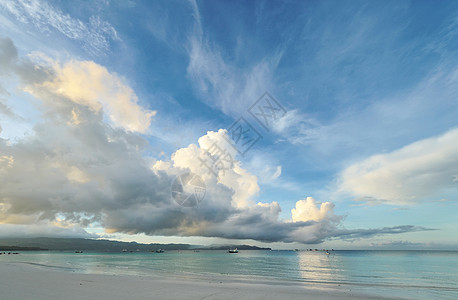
<point>27,71</point>
<point>8,54</point>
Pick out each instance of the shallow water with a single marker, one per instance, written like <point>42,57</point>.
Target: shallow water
<point>409,274</point>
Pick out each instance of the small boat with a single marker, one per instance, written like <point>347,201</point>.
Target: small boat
<point>160,251</point>
<point>79,251</point>
<point>233,251</point>
<point>124,250</point>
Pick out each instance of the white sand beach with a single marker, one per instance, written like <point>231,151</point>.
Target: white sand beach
<point>26,281</point>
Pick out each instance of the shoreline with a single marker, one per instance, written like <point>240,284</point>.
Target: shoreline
<point>26,281</point>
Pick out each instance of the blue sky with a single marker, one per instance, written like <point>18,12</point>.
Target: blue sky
<point>371,124</point>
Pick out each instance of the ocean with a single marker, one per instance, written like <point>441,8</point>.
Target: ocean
<point>405,274</point>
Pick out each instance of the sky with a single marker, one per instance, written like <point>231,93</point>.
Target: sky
<point>289,124</point>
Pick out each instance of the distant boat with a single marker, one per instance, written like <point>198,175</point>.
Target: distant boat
<point>160,251</point>
<point>79,251</point>
<point>124,250</point>
<point>233,250</point>
<point>296,250</point>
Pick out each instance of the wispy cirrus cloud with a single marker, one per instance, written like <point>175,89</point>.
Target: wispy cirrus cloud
<point>226,85</point>
<point>95,34</point>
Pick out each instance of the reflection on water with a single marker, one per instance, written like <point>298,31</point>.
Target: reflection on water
<point>320,267</point>
<point>413,274</point>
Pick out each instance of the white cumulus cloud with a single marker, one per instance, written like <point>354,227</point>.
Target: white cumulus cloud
<point>307,210</point>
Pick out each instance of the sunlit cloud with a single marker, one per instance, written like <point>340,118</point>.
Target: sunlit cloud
<point>417,172</point>
<point>82,82</point>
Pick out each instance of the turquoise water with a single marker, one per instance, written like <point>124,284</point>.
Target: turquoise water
<point>408,274</point>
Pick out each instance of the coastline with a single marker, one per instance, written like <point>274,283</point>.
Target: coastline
<point>26,281</point>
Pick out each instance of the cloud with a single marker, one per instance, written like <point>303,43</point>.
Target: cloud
<point>266,167</point>
<point>95,34</point>
<point>82,82</point>
<point>417,172</point>
<point>200,160</point>
<point>352,234</point>
<point>222,84</point>
<point>92,173</point>
<point>7,111</point>
<point>101,90</point>
<point>77,169</point>
<point>307,210</point>
<point>397,244</point>
<point>298,128</point>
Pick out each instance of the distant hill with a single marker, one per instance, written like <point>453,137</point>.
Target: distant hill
<point>19,248</point>
<point>71,244</point>
<point>227,247</point>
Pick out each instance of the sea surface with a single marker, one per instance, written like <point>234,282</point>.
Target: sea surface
<point>405,274</point>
